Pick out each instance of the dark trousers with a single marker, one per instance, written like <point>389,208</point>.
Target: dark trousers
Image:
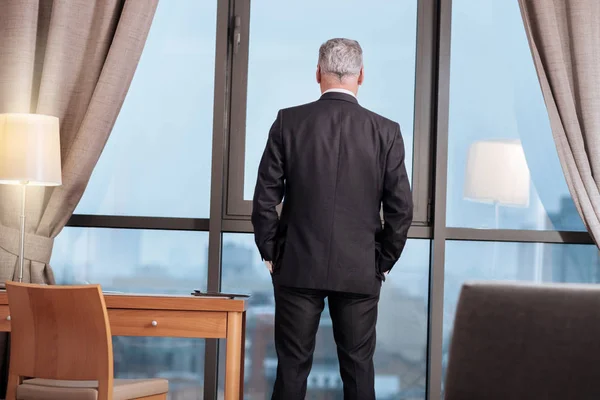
<point>297,315</point>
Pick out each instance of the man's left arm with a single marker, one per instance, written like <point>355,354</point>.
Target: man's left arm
<point>269,191</point>
<point>397,205</point>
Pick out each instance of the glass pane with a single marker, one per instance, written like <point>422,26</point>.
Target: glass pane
<point>179,360</point>
<point>132,260</point>
<point>530,262</point>
<point>142,261</point>
<point>400,358</point>
<point>284,42</point>
<point>503,168</point>
<point>157,159</point>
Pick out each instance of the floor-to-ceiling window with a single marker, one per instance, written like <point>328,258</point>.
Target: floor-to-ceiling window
<point>167,209</point>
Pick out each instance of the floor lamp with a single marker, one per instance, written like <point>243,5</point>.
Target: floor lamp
<point>497,173</point>
<point>29,155</point>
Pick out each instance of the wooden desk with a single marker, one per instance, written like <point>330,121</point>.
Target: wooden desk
<point>177,316</point>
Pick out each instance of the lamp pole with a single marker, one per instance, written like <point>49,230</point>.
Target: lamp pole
<point>22,247</point>
<point>497,226</point>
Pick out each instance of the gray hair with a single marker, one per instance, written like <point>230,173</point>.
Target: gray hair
<point>340,57</point>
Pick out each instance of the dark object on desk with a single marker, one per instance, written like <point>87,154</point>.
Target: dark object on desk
<point>200,293</point>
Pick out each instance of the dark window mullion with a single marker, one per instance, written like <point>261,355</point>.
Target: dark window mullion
<point>222,102</point>
<point>424,114</point>
<point>235,204</point>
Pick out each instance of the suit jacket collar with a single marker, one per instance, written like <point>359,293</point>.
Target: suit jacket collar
<point>339,96</point>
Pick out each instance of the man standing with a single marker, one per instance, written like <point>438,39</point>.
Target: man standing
<point>334,164</point>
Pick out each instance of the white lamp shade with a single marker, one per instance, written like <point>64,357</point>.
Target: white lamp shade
<point>497,172</point>
<point>30,149</point>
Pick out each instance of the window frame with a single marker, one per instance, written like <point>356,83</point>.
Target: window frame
<point>229,212</point>
<point>237,208</point>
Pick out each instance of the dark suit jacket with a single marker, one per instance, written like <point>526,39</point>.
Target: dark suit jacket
<point>333,163</point>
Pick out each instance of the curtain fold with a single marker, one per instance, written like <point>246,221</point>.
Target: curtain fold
<point>74,60</point>
<point>564,37</point>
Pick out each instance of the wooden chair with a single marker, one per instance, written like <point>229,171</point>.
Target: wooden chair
<point>60,337</point>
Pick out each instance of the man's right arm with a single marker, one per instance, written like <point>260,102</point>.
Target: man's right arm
<point>270,187</point>
<point>397,205</point>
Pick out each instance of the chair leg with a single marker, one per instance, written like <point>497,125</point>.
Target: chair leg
<point>105,389</point>
<point>11,386</point>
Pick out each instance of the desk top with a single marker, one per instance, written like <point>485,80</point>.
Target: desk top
<point>165,302</point>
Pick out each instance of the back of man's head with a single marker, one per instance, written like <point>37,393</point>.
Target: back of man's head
<point>340,60</point>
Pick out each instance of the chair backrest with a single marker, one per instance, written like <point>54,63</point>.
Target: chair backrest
<point>518,341</point>
<point>59,332</point>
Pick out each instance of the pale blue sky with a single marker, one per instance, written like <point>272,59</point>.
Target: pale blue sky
<point>158,158</point>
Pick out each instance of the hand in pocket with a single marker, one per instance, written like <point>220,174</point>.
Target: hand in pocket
<point>269,265</point>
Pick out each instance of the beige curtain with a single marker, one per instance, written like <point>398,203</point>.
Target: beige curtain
<point>74,60</point>
<point>564,36</point>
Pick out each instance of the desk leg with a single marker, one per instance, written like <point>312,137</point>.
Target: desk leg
<point>234,363</point>
<point>11,390</point>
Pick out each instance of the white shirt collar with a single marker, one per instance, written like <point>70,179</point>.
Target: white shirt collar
<point>340,90</point>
